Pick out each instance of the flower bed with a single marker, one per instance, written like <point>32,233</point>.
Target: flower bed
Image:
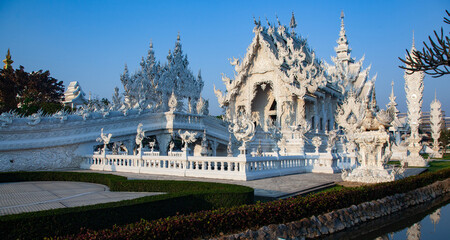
<point>234,219</point>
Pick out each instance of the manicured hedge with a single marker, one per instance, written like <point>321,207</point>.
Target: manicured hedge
<point>228,220</point>
<point>182,197</point>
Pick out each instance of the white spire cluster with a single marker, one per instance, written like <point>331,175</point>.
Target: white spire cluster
<point>154,83</point>
<point>347,73</point>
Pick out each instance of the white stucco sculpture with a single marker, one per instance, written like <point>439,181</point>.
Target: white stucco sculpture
<point>244,131</point>
<point>436,126</point>
<point>187,137</point>
<point>140,134</point>
<point>367,129</point>
<point>414,94</point>
<point>105,139</point>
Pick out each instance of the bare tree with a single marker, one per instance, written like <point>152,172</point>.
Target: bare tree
<point>434,57</point>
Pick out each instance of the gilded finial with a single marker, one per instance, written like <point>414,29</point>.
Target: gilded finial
<point>8,61</point>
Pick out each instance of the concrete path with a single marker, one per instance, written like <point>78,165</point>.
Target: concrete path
<point>22,197</point>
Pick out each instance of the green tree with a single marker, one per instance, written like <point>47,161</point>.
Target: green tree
<point>434,59</point>
<point>26,92</point>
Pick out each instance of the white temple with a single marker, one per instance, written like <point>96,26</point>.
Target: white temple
<point>280,80</point>
<point>286,112</point>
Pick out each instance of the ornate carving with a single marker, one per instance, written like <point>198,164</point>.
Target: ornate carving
<point>187,137</point>
<point>414,94</point>
<point>243,130</point>
<point>105,139</point>
<point>204,151</point>
<point>436,125</point>
<point>316,142</point>
<point>6,118</point>
<point>173,103</point>
<point>35,118</point>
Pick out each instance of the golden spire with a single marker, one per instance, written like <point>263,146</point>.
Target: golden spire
<point>8,60</point>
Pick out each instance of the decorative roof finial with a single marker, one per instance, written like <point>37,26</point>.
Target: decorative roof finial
<point>435,95</point>
<point>278,20</point>
<point>413,42</point>
<point>392,97</point>
<point>293,23</point>
<point>178,36</point>
<point>8,60</point>
<point>343,50</point>
<point>151,44</point>
<point>342,33</point>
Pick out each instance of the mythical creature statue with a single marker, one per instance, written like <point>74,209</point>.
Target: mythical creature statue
<point>105,139</point>
<point>187,137</point>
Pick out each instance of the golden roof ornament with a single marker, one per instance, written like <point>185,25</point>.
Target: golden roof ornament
<point>8,60</point>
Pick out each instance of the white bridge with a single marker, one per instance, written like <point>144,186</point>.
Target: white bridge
<point>52,142</point>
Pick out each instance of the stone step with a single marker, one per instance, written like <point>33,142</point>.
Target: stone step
<point>308,190</point>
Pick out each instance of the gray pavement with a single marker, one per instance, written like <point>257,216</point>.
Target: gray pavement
<point>22,197</point>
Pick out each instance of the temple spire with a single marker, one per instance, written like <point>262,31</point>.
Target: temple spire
<point>392,104</point>
<point>8,61</point>
<point>343,50</point>
<point>293,23</point>
<point>413,42</point>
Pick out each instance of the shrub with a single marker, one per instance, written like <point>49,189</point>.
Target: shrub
<point>228,220</point>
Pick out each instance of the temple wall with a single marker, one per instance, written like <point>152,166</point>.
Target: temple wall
<point>53,144</point>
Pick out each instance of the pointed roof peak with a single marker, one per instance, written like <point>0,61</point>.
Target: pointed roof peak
<point>8,61</point>
<point>293,23</point>
<point>392,90</point>
<point>413,42</point>
<point>151,44</point>
<point>178,36</point>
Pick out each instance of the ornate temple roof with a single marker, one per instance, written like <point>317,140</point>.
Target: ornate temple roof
<point>287,54</point>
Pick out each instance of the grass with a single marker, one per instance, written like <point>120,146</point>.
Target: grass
<point>438,165</point>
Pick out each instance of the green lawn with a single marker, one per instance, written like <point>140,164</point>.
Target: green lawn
<point>438,165</point>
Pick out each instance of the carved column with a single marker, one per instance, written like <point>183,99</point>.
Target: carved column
<point>214,145</point>
<point>163,143</point>
<point>301,116</point>
<point>316,115</point>
<point>129,144</point>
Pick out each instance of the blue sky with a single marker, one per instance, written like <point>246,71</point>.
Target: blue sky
<point>90,41</point>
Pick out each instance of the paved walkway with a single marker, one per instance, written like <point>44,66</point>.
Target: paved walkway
<point>22,197</point>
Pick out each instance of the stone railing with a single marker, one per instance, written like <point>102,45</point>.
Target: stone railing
<point>235,168</point>
<point>145,153</point>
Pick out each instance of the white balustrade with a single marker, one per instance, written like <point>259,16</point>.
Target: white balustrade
<point>234,168</point>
